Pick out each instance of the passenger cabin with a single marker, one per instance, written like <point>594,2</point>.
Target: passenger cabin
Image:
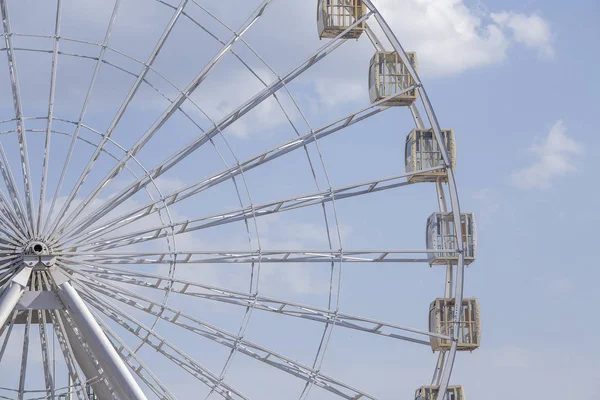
<point>423,153</point>
<point>389,76</point>
<point>431,393</point>
<point>335,16</point>
<point>441,237</point>
<point>441,321</point>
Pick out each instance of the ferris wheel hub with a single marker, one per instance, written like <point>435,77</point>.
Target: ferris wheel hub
<point>37,255</point>
<point>37,248</point>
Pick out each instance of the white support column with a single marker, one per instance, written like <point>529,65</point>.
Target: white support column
<point>12,294</point>
<point>87,366</point>
<point>102,348</point>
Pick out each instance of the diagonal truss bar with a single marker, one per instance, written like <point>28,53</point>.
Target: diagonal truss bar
<point>83,112</point>
<point>43,185</point>
<point>14,80</point>
<point>25,353</point>
<point>251,211</point>
<point>167,349</point>
<point>232,172</point>
<point>227,121</point>
<point>257,352</point>
<point>199,290</point>
<point>13,192</point>
<point>245,257</point>
<point>192,86</point>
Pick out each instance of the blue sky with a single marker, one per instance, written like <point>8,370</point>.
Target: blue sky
<point>514,79</point>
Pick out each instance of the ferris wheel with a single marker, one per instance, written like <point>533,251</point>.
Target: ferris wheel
<point>146,223</point>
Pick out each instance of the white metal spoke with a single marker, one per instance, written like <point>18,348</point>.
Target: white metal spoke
<point>83,111</point>
<point>263,158</point>
<point>12,68</point>
<point>11,220</point>
<point>244,257</point>
<point>192,86</point>
<point>50,116</point>
<point>247,212</point>
<point>223,124</point>
<point>260,353</point>
<point>198,290</point>
<point>144,333</point>
<point>9,180</point>
<point>132,92</point>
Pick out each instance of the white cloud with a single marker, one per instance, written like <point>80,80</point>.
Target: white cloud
<point>531,30</point>
<point>449,37</point>
<point>553,159</point>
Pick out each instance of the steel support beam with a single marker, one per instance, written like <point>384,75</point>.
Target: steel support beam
<point>102,348</point>
<point>86,364</point>
<point>11,296</point>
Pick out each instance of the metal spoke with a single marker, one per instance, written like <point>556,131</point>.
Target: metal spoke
<point>12,68</point>
<point>132,92</point>
<point>186,287</point>
<point>248,348</point>
<point>260,159</point>
<point>9,180</point>
<point>50,116</point>
<point>11,220</point>
<point>277,206</point>
<point>245,257</point>
<point>223,124</point>
<point>83,112</point>
<point>144,333</point>
<point>192,86</point>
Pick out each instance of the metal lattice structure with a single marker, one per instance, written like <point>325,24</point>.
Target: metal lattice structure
<point>93,262</point>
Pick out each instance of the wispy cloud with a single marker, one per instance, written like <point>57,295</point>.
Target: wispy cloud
<point>531,30</point>
<point>553,159</point>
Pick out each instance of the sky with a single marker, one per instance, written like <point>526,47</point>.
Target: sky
<point>514,79</point>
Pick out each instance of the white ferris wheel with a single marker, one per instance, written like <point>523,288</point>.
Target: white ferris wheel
<point>135,260</point>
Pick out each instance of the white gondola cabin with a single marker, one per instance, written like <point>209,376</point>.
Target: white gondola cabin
<point>388,76</point>
<point>441,237</point>
<point>335,16</point>
<point>441,316</point>
<point>431,393</point>
<point>423,153</point>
